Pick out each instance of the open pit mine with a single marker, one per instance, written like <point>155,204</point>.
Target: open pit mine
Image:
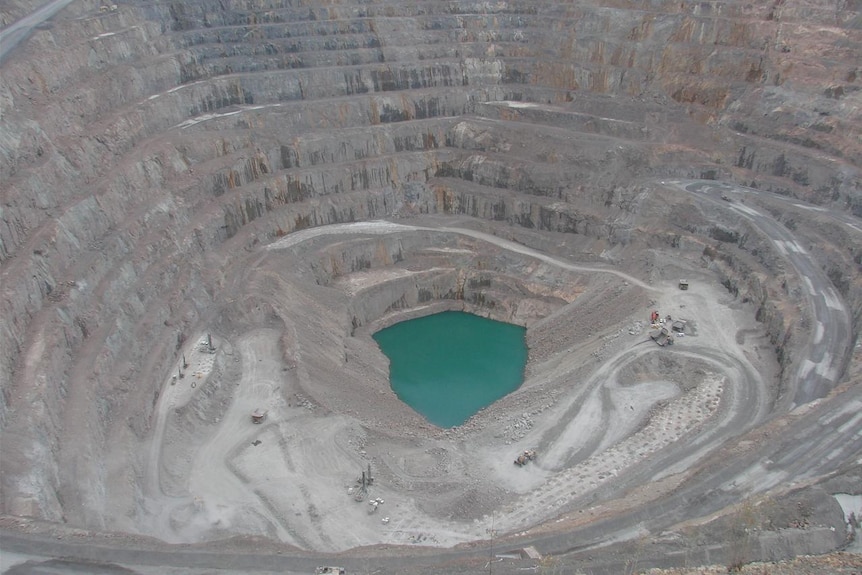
<point>207,209</point>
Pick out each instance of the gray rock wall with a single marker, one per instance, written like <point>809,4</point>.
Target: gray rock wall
<point>143,148</point>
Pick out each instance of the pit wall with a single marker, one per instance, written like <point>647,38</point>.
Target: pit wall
<point>157,106</point>
<point>120,49</point>
<point>99,207</point>
<point>167,266</point>
<point>119,331</point>
<point>790,170</point>
<point>751,269</point>
<point>439,270</point>
<point>134,314</point>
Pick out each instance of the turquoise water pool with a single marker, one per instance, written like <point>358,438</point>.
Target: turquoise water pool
<point>449,365</point>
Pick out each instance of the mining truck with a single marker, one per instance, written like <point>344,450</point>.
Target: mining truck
<point>526,457</point>
<point>258,415</point>
<point>662,337</point>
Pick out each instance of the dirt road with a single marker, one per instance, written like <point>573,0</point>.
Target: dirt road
<point>17,31</point>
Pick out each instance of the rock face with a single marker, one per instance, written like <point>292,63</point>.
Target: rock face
<point>146,148</point>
